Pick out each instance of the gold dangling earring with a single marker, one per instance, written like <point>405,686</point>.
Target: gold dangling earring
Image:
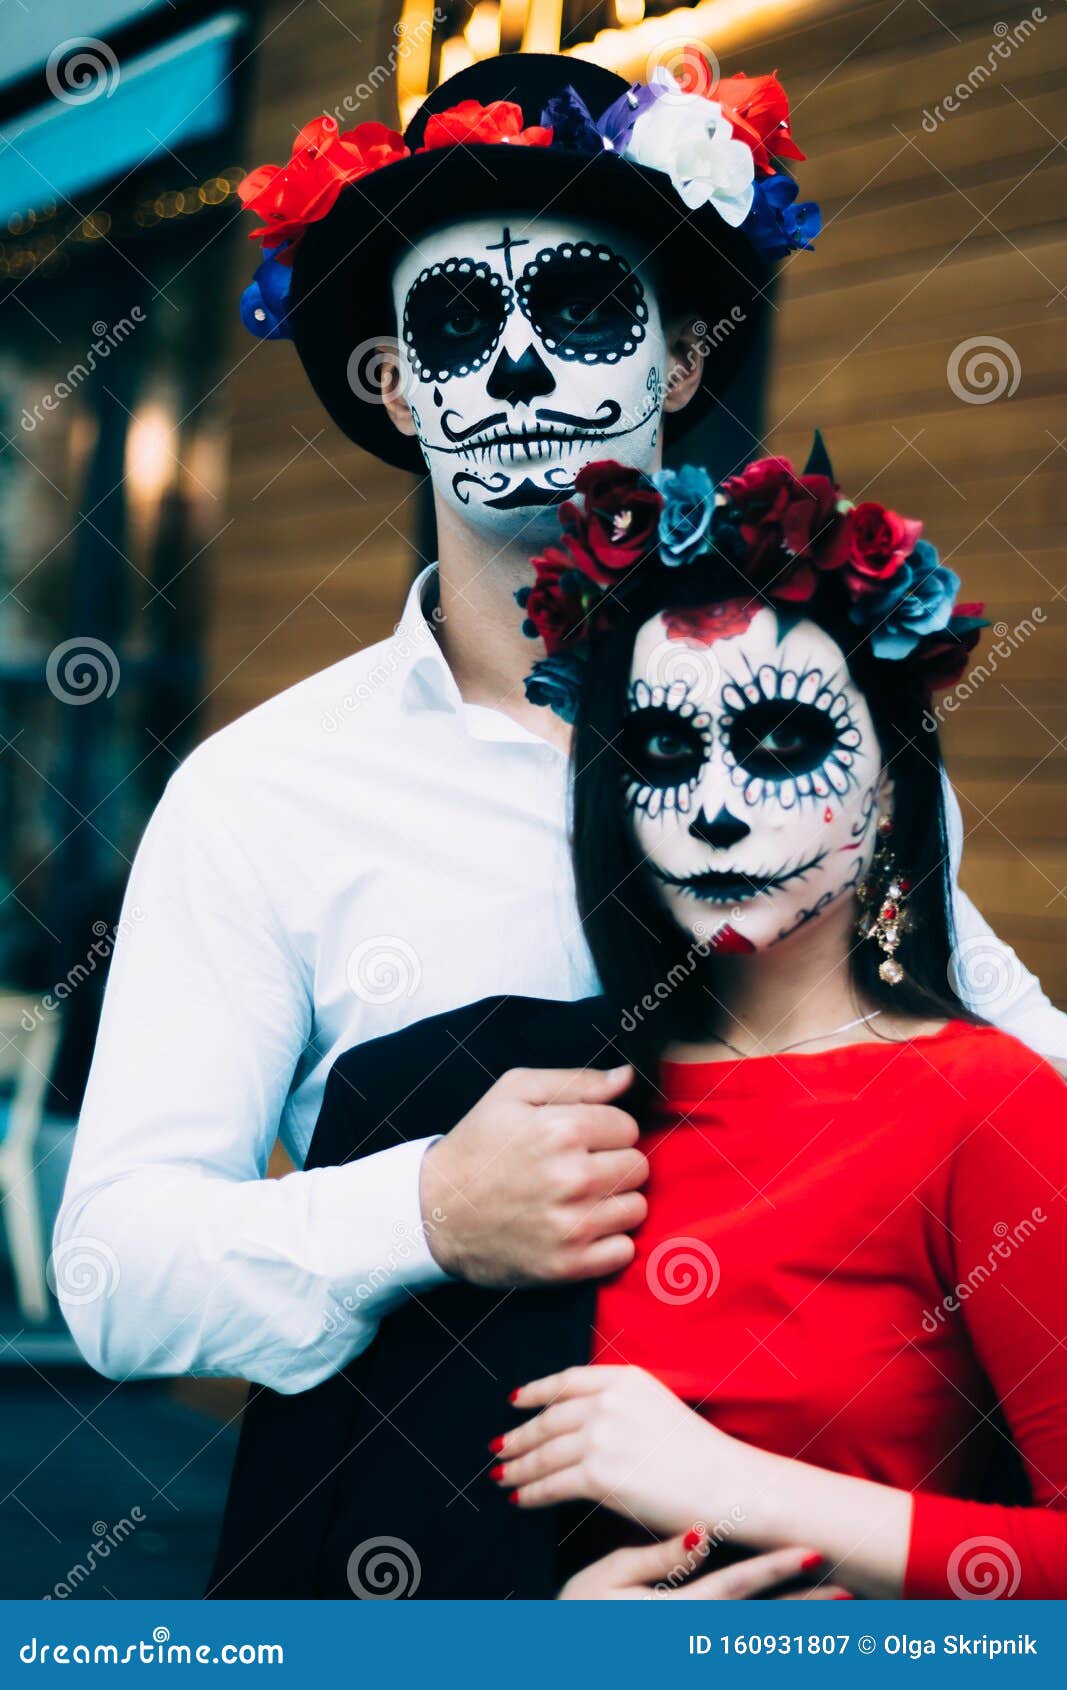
<point>883,897</point>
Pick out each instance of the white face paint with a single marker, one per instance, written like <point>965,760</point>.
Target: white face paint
<point>528,347</point>
<point>755,772</point>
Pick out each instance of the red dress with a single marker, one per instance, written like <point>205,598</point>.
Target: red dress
<point>853,1258</point>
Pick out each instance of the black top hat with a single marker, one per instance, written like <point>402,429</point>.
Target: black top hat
<point>341,297</point>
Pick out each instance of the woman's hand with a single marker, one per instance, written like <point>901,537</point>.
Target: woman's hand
<point>666,1569</point>
<point>615,1435</point>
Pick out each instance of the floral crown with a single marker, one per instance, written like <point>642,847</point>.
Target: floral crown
<point>717,151</point>
<point>786,536</point>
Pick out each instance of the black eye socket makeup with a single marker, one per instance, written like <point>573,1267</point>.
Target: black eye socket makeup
<point>666,740</point>
<point>454,316</point>
<point>584,302</point>
<point>788,735</point>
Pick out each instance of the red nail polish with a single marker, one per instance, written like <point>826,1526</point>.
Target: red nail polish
<point>844,1596</point>
<point>513,1396</point>
<point>691,1539</point>
<point>497,1473</point>
<point>810,1561</point>
<point>495,1445</point>
<point>513,1496</point>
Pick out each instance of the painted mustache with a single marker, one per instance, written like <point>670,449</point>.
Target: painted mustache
<point>495,429</point>
<point>729,886</point>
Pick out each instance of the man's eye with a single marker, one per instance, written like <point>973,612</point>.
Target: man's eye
<point>781,742</point>
<point>461,322</point>
<point>581,313</point>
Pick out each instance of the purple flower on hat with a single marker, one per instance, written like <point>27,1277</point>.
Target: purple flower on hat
<point>265,300</point>
<point>919,602</point>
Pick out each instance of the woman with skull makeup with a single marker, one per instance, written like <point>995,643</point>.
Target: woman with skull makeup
<point>847,1289</point>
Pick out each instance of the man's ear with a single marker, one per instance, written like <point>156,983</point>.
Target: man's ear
<point>685,366</point>
<point>394,397</point>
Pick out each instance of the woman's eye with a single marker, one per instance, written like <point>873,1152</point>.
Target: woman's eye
<point>780,742</point>
<point>661,749</point>
<point>667,748</point>
<point>776,738</point>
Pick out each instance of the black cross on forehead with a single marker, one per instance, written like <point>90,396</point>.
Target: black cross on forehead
<point>505,246</point>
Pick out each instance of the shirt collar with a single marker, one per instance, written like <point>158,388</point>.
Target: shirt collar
<point>429,683</point>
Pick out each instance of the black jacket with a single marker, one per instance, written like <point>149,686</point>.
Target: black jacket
<point>386,1463</point>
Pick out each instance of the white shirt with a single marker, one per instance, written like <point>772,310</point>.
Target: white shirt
<point>359,853</point>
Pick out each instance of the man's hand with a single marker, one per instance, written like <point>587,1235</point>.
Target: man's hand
<point>538,1182</point>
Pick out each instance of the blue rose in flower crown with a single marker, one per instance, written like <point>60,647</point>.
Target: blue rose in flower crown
<point>688,507</point>
<point>917,602</point>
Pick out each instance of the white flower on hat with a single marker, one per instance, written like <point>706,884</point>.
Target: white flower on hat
<point>692,142</point>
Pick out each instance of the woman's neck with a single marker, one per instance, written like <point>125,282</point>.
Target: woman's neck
<point>800,990</point>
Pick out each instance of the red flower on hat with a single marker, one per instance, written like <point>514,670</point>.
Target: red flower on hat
<point>943,660</point>
<point>704,624</point>
<point>787,524</point>
<point>758,108</point>
<point>471,122</point>
<point>289,197</point>
<point>873,545</point>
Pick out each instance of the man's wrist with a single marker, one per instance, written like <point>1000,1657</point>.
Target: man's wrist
<point>435,1192</point>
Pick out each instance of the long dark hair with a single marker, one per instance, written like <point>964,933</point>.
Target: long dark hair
<point>654,982</point>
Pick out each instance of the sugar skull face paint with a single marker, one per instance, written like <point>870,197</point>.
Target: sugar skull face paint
<point>753,770</point>
<point>527,347</point>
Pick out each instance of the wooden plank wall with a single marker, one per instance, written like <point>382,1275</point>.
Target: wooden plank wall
<point>934,236</point>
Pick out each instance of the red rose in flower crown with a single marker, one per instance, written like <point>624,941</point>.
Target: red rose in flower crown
<point>289,197</point>
<point>758,108</point>
<point>875,542</point>
<point>616,523</point>
<point>556,616</point>
<point>704,624</point>
<point>787,524</point>
<point>474,123</point>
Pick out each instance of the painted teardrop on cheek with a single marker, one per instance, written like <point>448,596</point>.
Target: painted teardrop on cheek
<point>828,814</point>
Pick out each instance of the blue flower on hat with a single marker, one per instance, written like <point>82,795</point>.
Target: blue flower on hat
<point>688,508</point>
<point>775,225</point>
<point>265,300</point>
<point>918,602</point>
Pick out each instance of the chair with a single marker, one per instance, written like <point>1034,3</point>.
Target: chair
<point>29,1042</point>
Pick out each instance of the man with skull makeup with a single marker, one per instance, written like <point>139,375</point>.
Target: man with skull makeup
<point>312,893</point>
